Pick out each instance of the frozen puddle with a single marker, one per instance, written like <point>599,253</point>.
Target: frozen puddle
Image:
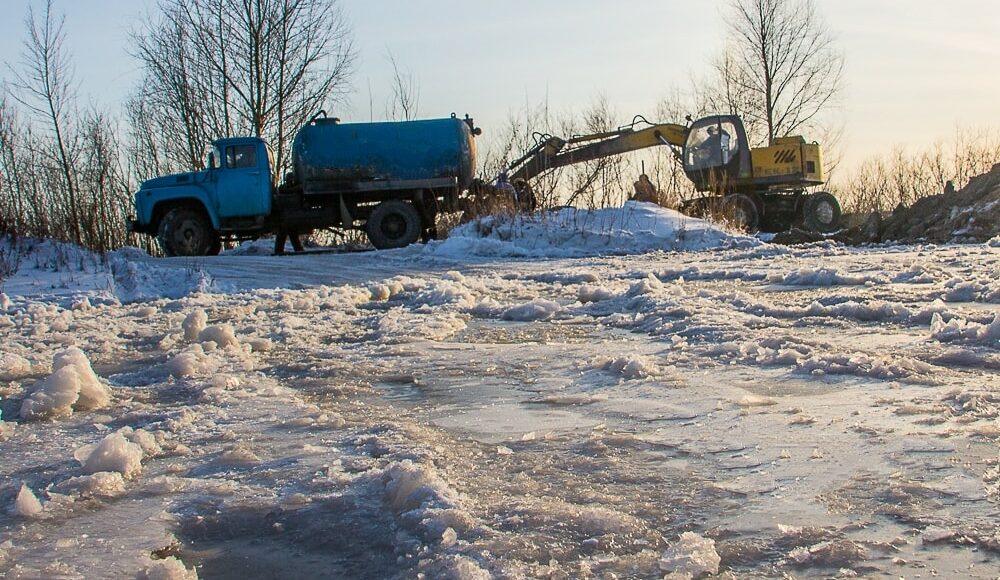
<point>759,411</point>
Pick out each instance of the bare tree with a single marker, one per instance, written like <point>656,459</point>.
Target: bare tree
<point>405,98</point>
<point>44,84</point>
<point>781,69</point>
<point>602,182</point>
<point>256,67</point>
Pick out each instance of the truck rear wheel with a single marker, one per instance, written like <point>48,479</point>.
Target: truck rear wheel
<point>821,213</point>
<point>393,224</point>
<point>186,231</point>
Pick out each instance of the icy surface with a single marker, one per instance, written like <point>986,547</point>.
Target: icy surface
<point>737,409</point>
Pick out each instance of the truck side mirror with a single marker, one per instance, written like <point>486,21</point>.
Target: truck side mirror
<point>211,160</point>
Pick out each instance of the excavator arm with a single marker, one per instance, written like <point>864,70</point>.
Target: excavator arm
<point>552,152</point>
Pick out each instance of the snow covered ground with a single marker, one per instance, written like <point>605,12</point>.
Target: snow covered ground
<point>626,394</point>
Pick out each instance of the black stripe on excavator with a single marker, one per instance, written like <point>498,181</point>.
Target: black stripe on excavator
<point>786,156</point>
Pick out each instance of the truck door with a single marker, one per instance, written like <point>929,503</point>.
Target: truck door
<point>244,181</point>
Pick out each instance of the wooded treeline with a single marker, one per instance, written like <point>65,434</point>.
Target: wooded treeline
<point>211,68</point>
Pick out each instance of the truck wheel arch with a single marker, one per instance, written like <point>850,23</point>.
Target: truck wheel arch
<point>163,208</point>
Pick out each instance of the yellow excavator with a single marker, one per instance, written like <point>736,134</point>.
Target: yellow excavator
<point>762,189</point>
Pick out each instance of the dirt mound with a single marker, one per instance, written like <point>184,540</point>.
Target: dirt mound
<point>969,215</point>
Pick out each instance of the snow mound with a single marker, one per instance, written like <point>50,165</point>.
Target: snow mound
<point>72,386</point>
<point>691,554</point>
<point>537,309</point>
<point>817,277</point>
<point>193,324</point>
<point>113,453</point>
<point>631,366</point>
<point>410,486</point>
<point>26,505</point>
<point>635,228</point>
<point>103,484</point>
<point>192,361</point>
<point>221,334</point>
<point>969,215</point>
<point>169,568</point>
<point>961,330</point>
<point>13,366</point>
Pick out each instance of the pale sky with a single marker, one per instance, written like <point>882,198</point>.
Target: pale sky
<point>916,69</point>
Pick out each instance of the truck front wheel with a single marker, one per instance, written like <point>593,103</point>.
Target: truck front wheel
<point>393,224</point>
<point>186,231</point>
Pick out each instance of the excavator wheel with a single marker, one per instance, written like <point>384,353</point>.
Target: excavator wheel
<point>821,213</point>
<point>741,212</point>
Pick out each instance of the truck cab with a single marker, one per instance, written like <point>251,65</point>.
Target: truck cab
<point>188,211</point>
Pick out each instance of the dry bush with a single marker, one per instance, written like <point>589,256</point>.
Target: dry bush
<point>523,130</point>
<point>900,178</point>
<point>594,184</point>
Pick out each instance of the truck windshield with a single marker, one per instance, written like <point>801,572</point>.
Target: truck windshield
<point>214,158</point>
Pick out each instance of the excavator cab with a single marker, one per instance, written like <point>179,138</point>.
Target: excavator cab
<point>717,153</point>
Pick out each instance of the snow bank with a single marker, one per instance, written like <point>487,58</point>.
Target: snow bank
<point>72,386</point>
<point>135,281</point>
<point>635,228</point>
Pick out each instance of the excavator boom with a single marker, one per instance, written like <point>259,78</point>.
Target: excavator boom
<point>553,152</point>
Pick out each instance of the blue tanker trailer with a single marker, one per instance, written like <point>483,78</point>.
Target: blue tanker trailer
<point>389,179</point>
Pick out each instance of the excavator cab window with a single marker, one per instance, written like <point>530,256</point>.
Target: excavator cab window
<point>716,151</point>
<point>712,145</point>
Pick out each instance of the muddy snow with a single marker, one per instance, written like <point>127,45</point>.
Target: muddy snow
<point>515,402</point>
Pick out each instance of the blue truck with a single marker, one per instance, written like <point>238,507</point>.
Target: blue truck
<point>390,179</point>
